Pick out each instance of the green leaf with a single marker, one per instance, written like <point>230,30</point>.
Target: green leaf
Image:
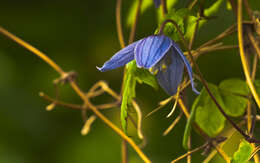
<point>232,92</point>
<point>235,86</point>
<point>131,14</point>
<point>133,74</point>
<point>228,5</point>
<point>144,76</point>
<point>207,115</point>
<point>235,106</point>
<point>191,25</point>
<point>213,9</point>
<point>128,92</point>
<point>188,124</point>
<point>178,16</point>
<point>210,10</point>
<point>243,153</point>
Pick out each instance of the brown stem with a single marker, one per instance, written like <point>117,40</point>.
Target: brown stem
<point>194,33</point>
<point>164,7</point>
<point>118,24</point>
<point>234,6</point>
<point>61,103</point>
<point>133,29</point>
<point>248,9</point>
<point>189,153</point>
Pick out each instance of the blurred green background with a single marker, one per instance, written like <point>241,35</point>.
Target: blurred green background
<point>80,35</point>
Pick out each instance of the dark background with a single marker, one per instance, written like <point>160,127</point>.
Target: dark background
<point>80,35</point>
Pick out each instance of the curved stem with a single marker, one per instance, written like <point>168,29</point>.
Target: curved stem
<point>164,7</point>
<point>33,50</point>
<point>133,29</point>
<point>118,24</point>
<point>253,42</point>
<point>80,93</point>
<point>242,55</point>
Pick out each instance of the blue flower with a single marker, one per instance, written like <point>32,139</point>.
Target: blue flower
<point>158,53</point>
<point>157,3</point>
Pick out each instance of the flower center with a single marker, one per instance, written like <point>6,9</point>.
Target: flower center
<point>162,65</point>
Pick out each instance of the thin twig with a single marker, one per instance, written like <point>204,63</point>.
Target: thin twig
<point>253,42</point>
<point>196,54</point>
<point>139,119</point>
<point>86,128</point>
<point>248,9</point>
<point>226,33</point>
<point>119,24</point>
<point>234,6</point>
<point>192,4</point>
<point>190,152</point>
<point>177,119</point>
<point>194,33</point>
<point>189,149</point>
<point>164,7</point>
<point>133,29</point>
<point>61,103</point>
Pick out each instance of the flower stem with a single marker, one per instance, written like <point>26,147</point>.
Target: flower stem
<point>119,24</point>
<point>33,50</point>
<point>133,28</point>
<point>164,7</point>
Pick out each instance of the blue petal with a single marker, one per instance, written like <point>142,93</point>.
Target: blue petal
<point>157,3</point>
<point>187,64</point>
<point>121,58</point>
<point>172,76</point>
<point>151,50</point>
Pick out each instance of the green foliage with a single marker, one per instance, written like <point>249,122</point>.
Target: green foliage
<point>210,9</point>
<point>144,76</point>
<point>235,86</point>
<point>207,115</point>
<point>188,124</point>
<point>128,92</point>
<point>243,153</point>
<point>233,93</point>
<point>179,17</point>
<point>213,8</point>
<point>134,74</point>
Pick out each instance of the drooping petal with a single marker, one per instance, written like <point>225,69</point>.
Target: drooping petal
<point>151,50</point>
<point>170,78</point>
<point>187,64</point>
<point>121,58</point>
<point>157,3</point>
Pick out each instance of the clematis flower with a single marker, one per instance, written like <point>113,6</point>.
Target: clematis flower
<point>158,53</point>
<point>157,3</point>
